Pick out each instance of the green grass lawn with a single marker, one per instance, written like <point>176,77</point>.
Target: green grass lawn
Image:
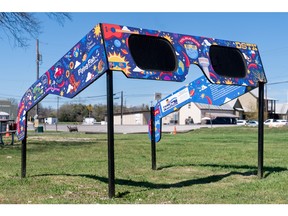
<point>209,166</point>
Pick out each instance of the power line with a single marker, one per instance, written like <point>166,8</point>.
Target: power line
<point>275,83</point>
<point>96,96</point>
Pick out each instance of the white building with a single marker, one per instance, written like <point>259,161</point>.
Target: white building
<point>282,111</point>
<point>89,121</point>
<point>132,118</point>
<point>195,112</point>
<point>4,115</point>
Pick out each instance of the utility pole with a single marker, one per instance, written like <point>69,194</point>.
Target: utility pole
<point>266,103</point>
<point>121,107</point>
<point>57,113</point>
<point>38,58</point>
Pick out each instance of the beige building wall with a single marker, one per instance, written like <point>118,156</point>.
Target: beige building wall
<point>192,111</point>
<point>248,102</point>
<point>197,112</point>
<point>132,119</point>
<point>166,120</point>
<point>129,119</point>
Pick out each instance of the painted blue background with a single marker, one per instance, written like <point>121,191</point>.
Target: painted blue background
<point>93,55</point>
<point>200,91</point>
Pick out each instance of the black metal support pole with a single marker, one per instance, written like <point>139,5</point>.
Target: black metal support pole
<point>23,158</point>
<point>153,143</point>
<point>23,154</point>
<point>260,129</point>
<point>110,130</point>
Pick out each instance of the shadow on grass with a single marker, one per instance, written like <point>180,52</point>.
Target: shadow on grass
<point>150,185</point>
<point>205,180</point>
<point>252,169</point>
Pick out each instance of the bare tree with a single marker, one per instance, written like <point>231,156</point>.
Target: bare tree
<point>22,26</point>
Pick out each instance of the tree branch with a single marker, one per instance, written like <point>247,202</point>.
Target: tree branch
<point>21,27</point>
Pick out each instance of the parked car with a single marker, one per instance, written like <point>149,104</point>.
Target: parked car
<point>241,122</point>
<point>252,123</point>
<point>283,121</point>
<point>269,121</point>
<point>280,123</point>
<point>276,122</point>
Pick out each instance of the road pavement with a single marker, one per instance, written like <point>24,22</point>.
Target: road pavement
<point>124,129</point>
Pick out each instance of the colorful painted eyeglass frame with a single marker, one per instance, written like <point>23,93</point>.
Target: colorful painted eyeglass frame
<point>118,48</point>
<point>202,51</point>
<point>197,91</point>
<point>75,71</point>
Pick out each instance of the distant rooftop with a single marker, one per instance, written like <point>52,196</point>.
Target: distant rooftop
<point>214,107</point>
<point>3,113</point>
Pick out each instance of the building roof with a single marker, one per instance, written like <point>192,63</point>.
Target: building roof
<point>214,107</point>
<point>230,115</point>
<point>4,113</point>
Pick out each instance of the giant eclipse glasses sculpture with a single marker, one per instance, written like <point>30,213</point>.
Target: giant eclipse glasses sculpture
<point>144,54</point>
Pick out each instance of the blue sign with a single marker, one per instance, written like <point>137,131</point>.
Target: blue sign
<point>198,91</point>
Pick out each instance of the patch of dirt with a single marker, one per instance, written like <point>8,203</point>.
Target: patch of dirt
<point>61,139</point>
